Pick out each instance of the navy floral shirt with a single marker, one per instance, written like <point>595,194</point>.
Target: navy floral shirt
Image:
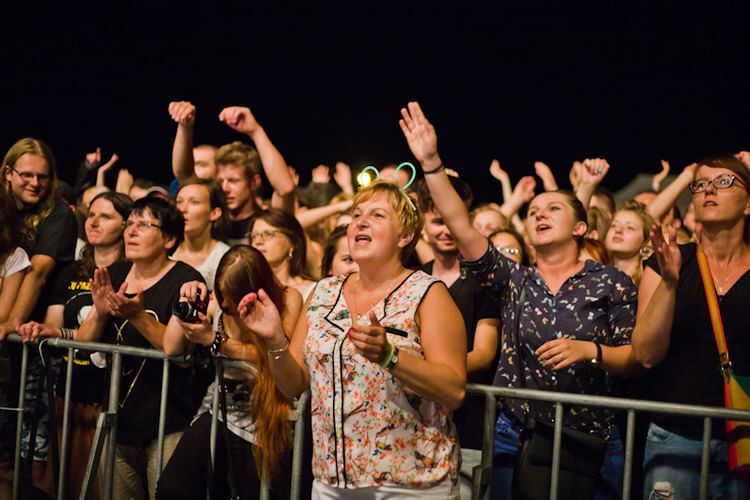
<point>597,303</point>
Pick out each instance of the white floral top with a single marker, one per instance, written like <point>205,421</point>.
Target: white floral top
<point>368,428</point>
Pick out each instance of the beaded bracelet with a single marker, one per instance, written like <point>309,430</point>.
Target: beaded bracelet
<point>218,340</point>
<point>67,333</point>
<point>435,170</point>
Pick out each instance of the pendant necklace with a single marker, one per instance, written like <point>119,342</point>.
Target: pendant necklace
<point>356,295</point>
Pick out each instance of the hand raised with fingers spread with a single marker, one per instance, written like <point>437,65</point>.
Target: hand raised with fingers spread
<point>100,287</point>
<point>667,254</point>
<point>182,112</point>
<point>561,353</point>
<point>419,133</point>
<point>261,316</point>
<point>321,174</point>
<point>370,340</point>
<point>343,177</point>
<point>240,119</point>
<point>123,306</point>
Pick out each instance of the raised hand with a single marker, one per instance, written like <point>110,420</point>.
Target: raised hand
<point>744,157</point>
<point>544,173</point>
<point>240,119</point>
<point>667,254</point>
<point>419,133</point>
<point>561,353</point>
<point>370,340</point>
<point>593,171</point>
<point>100,287</point>
<point>182,112</point>
<point>524,190</point>
<point>321,174</point>
<point>659,178</point>
<point>343,177</point>
<point>94,158</point>
<point>102,171</point>
<point>123,306</point>
<point>575,174</point>
<point>124,181</point>
<point>261,316</point>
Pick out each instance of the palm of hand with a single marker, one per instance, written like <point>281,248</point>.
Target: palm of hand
<point>422,141</point>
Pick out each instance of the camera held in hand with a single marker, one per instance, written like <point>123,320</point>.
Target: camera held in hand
<point>187,311</point>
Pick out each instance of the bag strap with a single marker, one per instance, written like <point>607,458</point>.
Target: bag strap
<point>713,309</point>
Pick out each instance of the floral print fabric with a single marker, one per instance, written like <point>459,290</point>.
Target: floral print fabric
<point>368,428</point>
<point>597,303</point>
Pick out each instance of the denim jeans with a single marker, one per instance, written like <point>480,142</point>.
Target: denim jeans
<point>674,459</point>
<point>507,430</point>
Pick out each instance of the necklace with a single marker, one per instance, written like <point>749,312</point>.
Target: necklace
<point>356,295</point>
<point>720,286</point>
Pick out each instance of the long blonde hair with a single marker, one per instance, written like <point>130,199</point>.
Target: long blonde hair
<point>29,145</point>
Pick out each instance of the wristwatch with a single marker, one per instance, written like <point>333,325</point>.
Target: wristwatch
<point>394,359</point>
<point>597,361</point>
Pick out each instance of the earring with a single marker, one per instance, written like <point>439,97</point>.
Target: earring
<point>291,251</point>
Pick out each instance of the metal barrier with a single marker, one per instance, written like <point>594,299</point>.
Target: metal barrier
<point>106,428</point>
<point>482,473</point>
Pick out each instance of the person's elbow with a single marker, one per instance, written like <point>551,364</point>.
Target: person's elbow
<point>455,398</point>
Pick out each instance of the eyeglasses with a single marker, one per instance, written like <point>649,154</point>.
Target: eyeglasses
<point>29,176</point>
<point>723,181</point>
<point>140,225</point>
<point>645,252</point>
<point>262,235</point>
<point>509,250</point>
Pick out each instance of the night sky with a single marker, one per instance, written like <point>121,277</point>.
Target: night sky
<point>519,82</point>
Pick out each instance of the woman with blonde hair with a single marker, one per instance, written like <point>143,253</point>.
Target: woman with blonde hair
<point>383,351</point>
<point>627,239</point>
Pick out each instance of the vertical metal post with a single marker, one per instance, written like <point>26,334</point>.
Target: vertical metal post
<point>482,473</point>
<point>65,425</point>
<point>556,449</point>
<point>705,458</point>
<point>162,417</point>
<point>112,409</point>
<point>214,417</point>
<point>299,445</point>
<point>19,421</point>
<point>627,477</point>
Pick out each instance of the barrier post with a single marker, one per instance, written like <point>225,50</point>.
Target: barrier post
<point>627,473</point>
<point>112,410</point>
<point>65,425</point>
<point>162,417</point>
<point>19,421</point>
<point>705,458</point>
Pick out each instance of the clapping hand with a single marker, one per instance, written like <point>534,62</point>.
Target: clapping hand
<point>258,312</point>
<point>667,254</point>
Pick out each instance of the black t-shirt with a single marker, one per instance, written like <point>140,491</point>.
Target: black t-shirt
<point>475,304</point>
<point>55,236</point>
<point>72,291</point>
<point>140,389</point>
<point>690,371</point>
<point>237,231</point>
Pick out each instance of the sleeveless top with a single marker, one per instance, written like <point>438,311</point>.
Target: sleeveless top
<point>370,429</point>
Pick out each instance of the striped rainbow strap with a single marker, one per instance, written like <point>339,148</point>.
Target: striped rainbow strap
<point>713,309</point>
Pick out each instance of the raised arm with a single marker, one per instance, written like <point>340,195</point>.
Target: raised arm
<point>183,165</point>
<point>422,140</point>
<point>656,301</point>
<point>665,200</point>
<point>502,176</point>
<point>593,171</point>
<point>544,173</point>
<point>242,120</point>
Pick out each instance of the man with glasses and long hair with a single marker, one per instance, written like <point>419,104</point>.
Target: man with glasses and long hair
<point>48,234</point>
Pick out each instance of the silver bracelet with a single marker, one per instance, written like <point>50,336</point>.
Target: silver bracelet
<point>276,354</point>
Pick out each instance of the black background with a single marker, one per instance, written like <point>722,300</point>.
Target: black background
<point>518,81</point>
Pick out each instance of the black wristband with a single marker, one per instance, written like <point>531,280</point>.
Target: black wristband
<point>216,344</point>
<point>435,170</point>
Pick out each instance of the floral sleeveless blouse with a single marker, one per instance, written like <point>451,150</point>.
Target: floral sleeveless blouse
<point>368,428</point>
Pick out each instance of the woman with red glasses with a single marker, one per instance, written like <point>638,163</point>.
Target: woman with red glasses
<point>673,334</point>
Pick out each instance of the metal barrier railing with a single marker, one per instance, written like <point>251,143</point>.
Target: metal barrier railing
<point>106,428</point>
<point>481,474</point>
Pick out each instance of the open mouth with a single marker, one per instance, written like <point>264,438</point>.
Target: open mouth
<point>543,227</point>
<point>362,238</point>
<point>710,203</point>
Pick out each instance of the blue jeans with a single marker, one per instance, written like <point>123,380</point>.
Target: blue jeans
<point>507,430</point>
<point>676,460</point>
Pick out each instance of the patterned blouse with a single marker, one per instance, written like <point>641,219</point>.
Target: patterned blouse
<point>368,428</point>
<point>597,303</point>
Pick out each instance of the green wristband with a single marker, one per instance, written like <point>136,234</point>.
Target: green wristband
<point>388,359</point>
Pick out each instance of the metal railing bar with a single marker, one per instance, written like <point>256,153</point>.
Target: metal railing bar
<point>65,424</point>
<point>556,449</point>
<point>705,458</point>
<point>19,422</point>
<point>627,473</point>
<point>162,418</point>
<point>299,444</point>
<point>112,410</point>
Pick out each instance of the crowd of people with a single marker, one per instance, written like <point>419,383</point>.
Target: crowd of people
<point>382,301</point>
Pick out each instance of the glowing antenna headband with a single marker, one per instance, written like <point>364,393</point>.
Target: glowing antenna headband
<point>404,164</point>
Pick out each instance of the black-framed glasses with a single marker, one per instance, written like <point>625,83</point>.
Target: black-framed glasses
<point>29,176</point>
<point>721,181</point>
<point>140,225</point>
<point>262,235</point>
<point>645,251</point>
